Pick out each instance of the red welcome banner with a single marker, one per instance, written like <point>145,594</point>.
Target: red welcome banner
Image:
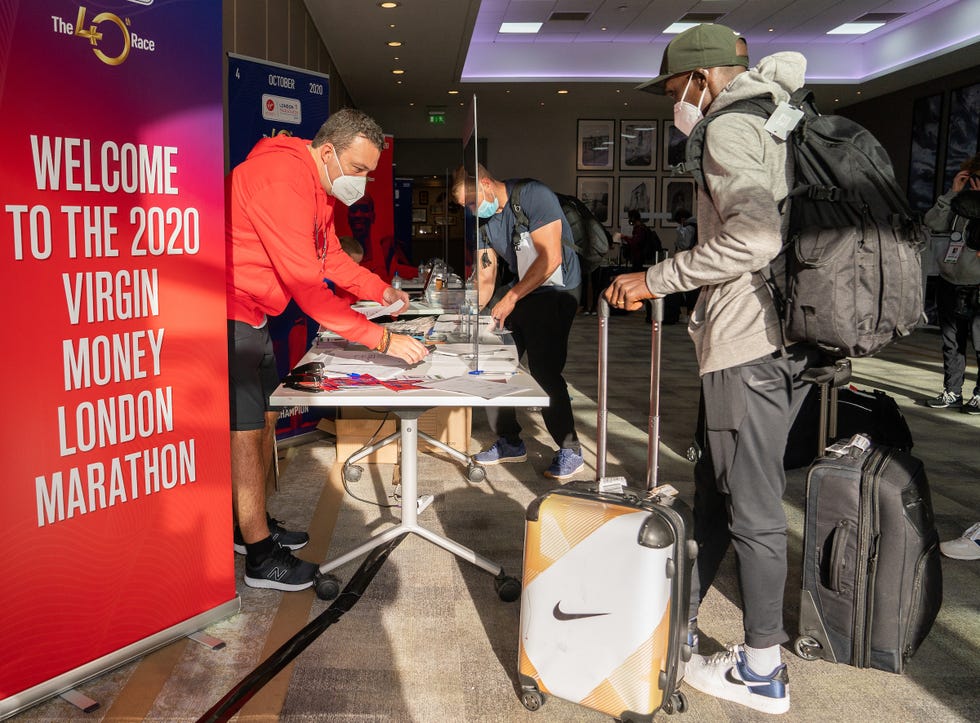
<point>116,492</point>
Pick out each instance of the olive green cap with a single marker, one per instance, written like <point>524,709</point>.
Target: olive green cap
<point>707,45</point>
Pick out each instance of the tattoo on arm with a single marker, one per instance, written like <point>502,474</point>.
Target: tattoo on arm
<point>485,260</point>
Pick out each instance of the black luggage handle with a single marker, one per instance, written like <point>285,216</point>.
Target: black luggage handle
<point>653,421</point>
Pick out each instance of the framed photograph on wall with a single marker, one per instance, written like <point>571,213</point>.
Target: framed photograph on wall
<point>636,193</point>
<point>924,151</point>
<point>674,143</point>
<point>418,215</point>
<point>963,131</point>
<point>678,192</point>
<point>596,192</point>
<point>596,145</point>
<point>637,145</point>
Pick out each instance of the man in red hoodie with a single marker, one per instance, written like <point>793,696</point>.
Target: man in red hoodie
<point>281,244</point>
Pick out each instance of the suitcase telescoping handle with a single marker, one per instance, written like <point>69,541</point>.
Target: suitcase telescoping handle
<point>653,422</point>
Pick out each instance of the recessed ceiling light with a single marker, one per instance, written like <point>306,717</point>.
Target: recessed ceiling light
<point>392,25</point>
<point>398,71</point>
<point>603,28</point>
<point>675,28</point>
<point>394,43</point>
<point>530,28</point>
<point>854,28</point>
<point>389,4</point>
<point>453,92</point>
<point>398,82</point>
<point>412,103</point>
<point>562,92</point>
<point>772,30</point>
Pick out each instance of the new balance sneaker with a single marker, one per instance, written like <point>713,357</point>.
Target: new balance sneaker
<point>972,406</point>
<point>727,675</point>
<point>945,399</point>
<point>281,571</point>
<point>965,547</point>
<point>566,463</point>
<point>502,451</point>
<point>293,539</point>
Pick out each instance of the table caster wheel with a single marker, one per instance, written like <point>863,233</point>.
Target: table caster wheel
<point>806,647</point>
<point>327,586</point>
<point>508,588</point>
<point>532,699</point>
<point>352,473</point>
<point>476,473</point>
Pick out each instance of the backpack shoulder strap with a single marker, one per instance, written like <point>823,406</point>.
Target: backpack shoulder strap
<point>761,106</point>
<point>514,201</point>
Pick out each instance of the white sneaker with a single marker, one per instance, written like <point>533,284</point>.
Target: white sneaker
<point>726,675</point>
<point>965,547</point>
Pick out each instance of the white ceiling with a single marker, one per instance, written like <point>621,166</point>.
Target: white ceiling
<point>455,45</point>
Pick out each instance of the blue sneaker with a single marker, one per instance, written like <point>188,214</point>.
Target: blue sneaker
<point>566,463</point>
<point>502,451</point>
<point>727,675</point>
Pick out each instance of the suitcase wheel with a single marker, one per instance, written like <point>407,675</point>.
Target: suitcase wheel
<point>531,699</point>
<point>807,647</point>
<point>508,588</point>
<point>676,702</point>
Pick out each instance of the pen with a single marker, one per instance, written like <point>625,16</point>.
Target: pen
<point>499,374</point>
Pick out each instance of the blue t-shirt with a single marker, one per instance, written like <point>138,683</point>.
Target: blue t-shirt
<point>542,207</point>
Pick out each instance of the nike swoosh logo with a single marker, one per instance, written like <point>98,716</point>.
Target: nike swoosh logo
<point>561,615</point>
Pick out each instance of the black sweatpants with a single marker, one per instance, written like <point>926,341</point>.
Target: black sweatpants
<point>956,332</point>
<point>540,324</point>
<point>739,484</point>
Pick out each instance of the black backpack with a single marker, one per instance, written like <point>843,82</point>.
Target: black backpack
<point>590,238</point>
<point>849,278</point>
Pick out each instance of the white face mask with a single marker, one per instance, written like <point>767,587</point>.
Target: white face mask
<point>687,115</point>
<point>346,189</point>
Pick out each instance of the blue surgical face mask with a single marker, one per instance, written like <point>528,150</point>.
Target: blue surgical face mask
<point>487,209</point>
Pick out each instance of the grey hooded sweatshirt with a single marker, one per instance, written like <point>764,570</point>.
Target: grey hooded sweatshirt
<point>739,225</point>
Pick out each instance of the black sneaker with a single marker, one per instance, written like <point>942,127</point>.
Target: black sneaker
<point>281,571</point>
<point>293,539</point>
<point>944,400</point>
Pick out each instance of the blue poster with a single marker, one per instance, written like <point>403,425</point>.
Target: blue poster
<point>266,100</point>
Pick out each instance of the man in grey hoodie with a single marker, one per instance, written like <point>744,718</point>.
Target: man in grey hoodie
<point>750,379</point>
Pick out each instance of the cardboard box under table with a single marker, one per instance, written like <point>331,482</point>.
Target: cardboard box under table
<point>355,426</point>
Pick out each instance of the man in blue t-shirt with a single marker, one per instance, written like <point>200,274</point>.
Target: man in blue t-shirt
<point>538,308</point>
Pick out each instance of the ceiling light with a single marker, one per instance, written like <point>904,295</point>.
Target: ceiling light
<point>772,30</point>
<point>854,28</point>
<point>530,28</point>
<point>562,92</point>
<point>678,27</point>
<point>398,71</point>
<point>603,28</point>
<point>453,92</point>
<point>394,43</point>
<point>392,25</point>
<point>388,5</point>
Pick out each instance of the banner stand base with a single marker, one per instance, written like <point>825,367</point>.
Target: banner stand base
<point>65,683</point>
<point>80,701</point>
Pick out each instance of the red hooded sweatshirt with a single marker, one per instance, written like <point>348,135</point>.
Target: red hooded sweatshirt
<point>280,243</point>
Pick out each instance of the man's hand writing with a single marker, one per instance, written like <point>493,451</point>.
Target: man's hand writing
<point>406,348</point>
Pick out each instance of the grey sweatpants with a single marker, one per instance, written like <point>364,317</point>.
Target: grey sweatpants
<point>739,484</point>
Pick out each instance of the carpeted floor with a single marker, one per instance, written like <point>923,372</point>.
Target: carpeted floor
<point>431,642</point>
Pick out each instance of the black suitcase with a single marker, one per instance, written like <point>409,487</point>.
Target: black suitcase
<point>606,584</point>
<point>869,412</point>
<point>872,578</point>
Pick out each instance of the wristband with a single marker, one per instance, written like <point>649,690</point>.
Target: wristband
<point>385,342</point>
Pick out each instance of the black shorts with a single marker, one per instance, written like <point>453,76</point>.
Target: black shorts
<point>252,375</point>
